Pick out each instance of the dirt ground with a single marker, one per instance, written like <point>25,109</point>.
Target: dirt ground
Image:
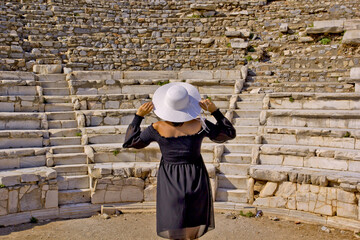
<point>142,226</point>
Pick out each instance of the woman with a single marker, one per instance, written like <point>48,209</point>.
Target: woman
<point>184,207</point>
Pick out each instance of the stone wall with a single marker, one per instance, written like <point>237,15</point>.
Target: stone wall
<point>28,190</point>
<point>119,182</point>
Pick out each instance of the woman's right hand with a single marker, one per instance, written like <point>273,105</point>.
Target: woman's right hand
<point>145,109</point>
<point>208,105</point>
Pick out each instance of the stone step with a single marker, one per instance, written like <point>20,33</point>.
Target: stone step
<point>246,113</point>
<point>231,195</point>
<point>53,84</point>
<point>234,169</point>
<point>74,196</point>
<point>246,97</point>
<point>71,170</point>
<point>55,141</point>
<point>106,138</point>
<point>253,105</point>
<point>67,132</point>
<point>340,141</point>
<point>56,107</point>
<point>239,148</point>
<point>241,158</point>
<point>67,149</point>
<point>69,158</point>
<point>73,182</point>
<point>57,99</point>
<point>246,121</point>
<point>60,116</point>
<point>56,91</point>
<point>232,181</point>
<point>62,124</point>
<point>51,77</point>
<point>246,129</point>
<point>244,138</point>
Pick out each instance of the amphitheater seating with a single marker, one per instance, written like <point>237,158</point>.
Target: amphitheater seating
<point>84,67</point>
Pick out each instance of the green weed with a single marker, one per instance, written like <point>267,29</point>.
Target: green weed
<point>347,135</point>
<point>248,214</point>
<point>116,152</point>
<point>251,49</point>
<point>325,41</point>
<point>33,220</point>
<point>249,58</point>
<point>228,45</point>
<point>291,99</point>
<point>195,16</point>
<point>163,83</point>
<point>78,134</point>
<point>2,186</point>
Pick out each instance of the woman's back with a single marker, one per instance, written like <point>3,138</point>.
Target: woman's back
<point>167,130</point>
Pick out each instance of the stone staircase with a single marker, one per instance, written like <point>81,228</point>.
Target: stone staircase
<point>237,157</point>
<point>66,154</point>
<point>296,117</point>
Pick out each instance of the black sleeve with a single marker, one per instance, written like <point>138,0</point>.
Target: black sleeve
<point>222,131</point>
<point>134,137</point>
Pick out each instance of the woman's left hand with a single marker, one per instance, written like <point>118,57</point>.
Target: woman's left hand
<point>208,105</point>
<point>145,109</point>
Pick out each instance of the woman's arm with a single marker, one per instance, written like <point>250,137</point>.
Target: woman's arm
<point>223,130</point>
<point>134,137</point>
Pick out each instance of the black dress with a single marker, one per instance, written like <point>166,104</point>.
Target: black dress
<point>184,205</point>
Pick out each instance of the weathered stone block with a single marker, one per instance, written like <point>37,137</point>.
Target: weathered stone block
<point>323,208</point>
<point>189,74</point>
<point>10,180</point>
<point>98,197</point>
<point>239,43</point>
<point>111,120</point>
<point>132,194</point>
<point>112,104</point>
<point>150,193</point>
<point>325,163</point>
<point>293,161</point>
<point>269,189</point>
<point>286,189</point>
<point>3,207</point>
<point>328,26</point>
<point>346,197</point>
<point>13,201</point>
<point>6,107</point>
<point>277,202</point>
<point>47,69</point>
<point>4,194</point>
<point>31,200</point>
<point>271,159</point>
<point>150,75</point>
<point>347,210</point>
<point>355,73</point>
<point>351,37</point>
<point>262,202</point>
<point>51,199</point>
<point>112,196</point>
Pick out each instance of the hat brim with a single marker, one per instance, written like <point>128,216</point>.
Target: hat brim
<point>163,111</point>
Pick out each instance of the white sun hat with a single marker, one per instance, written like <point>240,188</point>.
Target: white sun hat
<point>177,102</point>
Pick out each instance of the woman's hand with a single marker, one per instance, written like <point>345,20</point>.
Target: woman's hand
<point>144,109</point>
<point>208,105</point>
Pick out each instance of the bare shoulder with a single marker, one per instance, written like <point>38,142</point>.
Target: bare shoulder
<point>158,124</point>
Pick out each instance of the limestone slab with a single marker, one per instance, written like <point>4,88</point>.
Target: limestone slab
<point>269,189</point>
<point>328,26</point>
<point>351,37</point>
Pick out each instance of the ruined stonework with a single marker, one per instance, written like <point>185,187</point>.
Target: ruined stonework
<point>286,73</point>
